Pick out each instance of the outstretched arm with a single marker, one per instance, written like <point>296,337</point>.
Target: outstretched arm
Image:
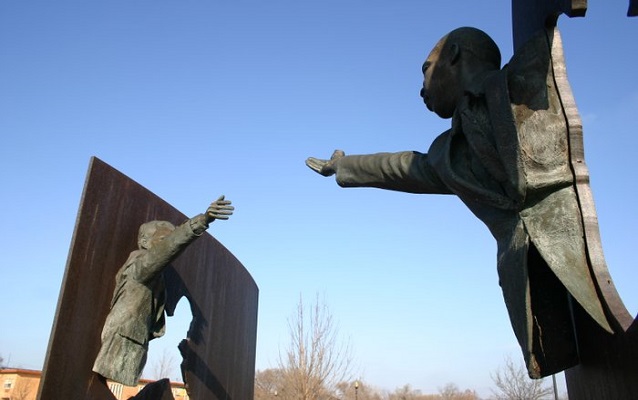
<point>407,171</point>
<point>156,258</point>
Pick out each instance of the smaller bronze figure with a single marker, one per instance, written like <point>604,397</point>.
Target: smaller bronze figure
<point>137,307</point>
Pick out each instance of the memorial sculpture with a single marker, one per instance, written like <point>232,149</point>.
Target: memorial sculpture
<point>220,346</point>
<point>137,311</point>
<point>507,158</point>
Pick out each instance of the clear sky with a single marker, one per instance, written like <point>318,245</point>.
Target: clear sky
<point>197,98</point>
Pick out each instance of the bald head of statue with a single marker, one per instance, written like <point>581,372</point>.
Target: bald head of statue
<point>457,61</point>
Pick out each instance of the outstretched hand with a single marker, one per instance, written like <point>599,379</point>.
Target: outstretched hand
<point>219,209</point>
<point>325,167</point>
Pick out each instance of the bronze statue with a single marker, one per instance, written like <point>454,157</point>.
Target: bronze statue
<point>137,307</point>
<point>506,157</point>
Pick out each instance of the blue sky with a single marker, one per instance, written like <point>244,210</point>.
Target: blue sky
<point>197,98</point>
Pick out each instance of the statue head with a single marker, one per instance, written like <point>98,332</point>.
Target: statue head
<point>152,232</point>
<point>453,65</point>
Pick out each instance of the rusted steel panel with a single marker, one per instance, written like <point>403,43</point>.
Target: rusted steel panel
<point>608,366</point>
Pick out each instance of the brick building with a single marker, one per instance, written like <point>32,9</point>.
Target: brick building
<point>22,384</point>
<point>19,384</point>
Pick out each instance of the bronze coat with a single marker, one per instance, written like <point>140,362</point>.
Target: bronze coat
<point>507,158</point>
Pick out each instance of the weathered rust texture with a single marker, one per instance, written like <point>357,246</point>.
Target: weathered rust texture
<point>221,293</point>
<point>608,366</point>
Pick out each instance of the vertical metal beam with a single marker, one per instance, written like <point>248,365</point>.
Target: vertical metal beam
<point>530,16</point>
<point>608,368</point>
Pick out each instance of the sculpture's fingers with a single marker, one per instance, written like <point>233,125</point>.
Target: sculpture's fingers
<point>224,211</point>
<point>315,164</point>
<point>220,215</point>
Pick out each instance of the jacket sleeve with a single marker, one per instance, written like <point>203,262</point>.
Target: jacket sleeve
<point>154,260</point>
<point>407,171</point>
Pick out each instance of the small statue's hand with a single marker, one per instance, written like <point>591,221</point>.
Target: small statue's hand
<point>325,167</point>
<point>219,209</point>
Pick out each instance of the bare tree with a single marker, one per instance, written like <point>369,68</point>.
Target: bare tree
<point>406,392</point>
<point>358,390</point>
<point>449,391</point>
<point>22,389</point>
<point>452,392</point>
<point>316,360</point>
<point>164,366</point>
<point>268,383</point>
<point>513,383</point>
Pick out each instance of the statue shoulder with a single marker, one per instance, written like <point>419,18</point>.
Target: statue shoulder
<point>135,254</point>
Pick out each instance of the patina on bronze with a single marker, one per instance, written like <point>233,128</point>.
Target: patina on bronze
<point>219,348</point>
<point>137,308</point>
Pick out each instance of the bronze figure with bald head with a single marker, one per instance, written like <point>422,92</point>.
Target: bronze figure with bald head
<point>506,156</point>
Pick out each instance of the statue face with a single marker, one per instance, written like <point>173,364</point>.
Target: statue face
<point>440,87</point>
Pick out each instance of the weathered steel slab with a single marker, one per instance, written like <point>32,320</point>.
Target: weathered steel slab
<point>608,366</point>
<point>160,390</point>
<point>223,296</point>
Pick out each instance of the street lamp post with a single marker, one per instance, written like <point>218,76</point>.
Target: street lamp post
<point>356,390</point>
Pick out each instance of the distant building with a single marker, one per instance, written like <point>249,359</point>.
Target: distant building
<point>19,384</point>
<point>22,384</point>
